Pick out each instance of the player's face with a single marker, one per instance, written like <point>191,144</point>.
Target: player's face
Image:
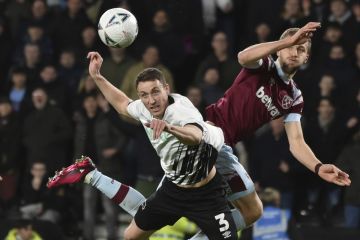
<point>293,57</point>
<point>325,109</point>
<point>154,95</point>
<point>5,109</point>
<point>25,233</point>
<point>39,98</point>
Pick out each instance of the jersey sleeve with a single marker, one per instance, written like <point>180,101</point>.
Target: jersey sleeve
<point>261,65</point>
<point>298,104</point>
<point>134,109</point>
<point>213,136</point>
<point>188,114</point>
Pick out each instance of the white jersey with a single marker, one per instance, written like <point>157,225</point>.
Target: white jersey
<point>182,164</point>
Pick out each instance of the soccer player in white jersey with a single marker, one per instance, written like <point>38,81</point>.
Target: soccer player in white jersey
<point>188,148</point>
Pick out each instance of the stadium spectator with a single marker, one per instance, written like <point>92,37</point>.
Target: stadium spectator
<point>95,136</point>
<point>37,201</point>
<point>69,71</point>
<point>348,160</point>
<point>32,62</point>
<point>68,26</point>
<point>194,94</point>
<point>272,164</point>
<point>54,87</point>
<point>211,91</point>
<point>221,58</point>
<point>46,133</point>
<point>276,222</point>
<point>10,155</point>
<point>20,92</point>
<point>150,58</point>
<point>116,65</point>
<point>24,231</point>
<point>6,51</point>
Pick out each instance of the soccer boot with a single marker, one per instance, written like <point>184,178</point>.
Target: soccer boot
<point>72,174</point>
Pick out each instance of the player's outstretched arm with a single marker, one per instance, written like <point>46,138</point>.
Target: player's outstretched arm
<point>116,98</point>
<point>305,155</point>
<point>249,56</point>
<point>188,135</point>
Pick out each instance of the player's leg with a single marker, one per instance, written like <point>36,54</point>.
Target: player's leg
<point>159,210</point>
<point>242,192</point>
<point>134,232</point>
<point>209,210</point>
<point>84,170</point>
<point>248,207</point>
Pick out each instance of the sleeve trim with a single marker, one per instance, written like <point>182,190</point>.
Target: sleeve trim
<point>196,125</point>
<point>292,117</point>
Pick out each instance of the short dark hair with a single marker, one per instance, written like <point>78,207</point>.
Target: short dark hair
<point>150,74</point>
<point>23,223</point>
<point>91,94</point>
<point>18,70</point>
<point>290,32</point>
<point>328,99</point>
<point>4,100</point>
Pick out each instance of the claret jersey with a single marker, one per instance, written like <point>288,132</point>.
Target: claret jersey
<point>256,97</point>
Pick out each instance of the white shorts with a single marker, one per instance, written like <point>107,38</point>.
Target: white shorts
<point>239,181</point>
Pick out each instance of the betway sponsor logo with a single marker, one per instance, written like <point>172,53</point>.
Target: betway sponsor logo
<point>267,101</point>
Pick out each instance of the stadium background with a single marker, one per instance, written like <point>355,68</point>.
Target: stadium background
<point>43,47</point>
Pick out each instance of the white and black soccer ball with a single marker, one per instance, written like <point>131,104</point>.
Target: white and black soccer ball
<point>117,28</point>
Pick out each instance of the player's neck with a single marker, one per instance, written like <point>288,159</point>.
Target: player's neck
<point>290,75</point>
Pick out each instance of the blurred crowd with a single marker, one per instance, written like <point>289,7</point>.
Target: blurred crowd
<point>51,111</point>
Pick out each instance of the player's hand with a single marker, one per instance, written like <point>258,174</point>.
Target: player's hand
<point>305,33</point>
<point>95,63</point>
<point>158,126</point>
<point>331,173</point>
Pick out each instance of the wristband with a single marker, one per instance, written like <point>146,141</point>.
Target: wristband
<point>317,167</point>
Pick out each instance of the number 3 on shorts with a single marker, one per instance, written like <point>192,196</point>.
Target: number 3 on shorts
<point>224,224</point>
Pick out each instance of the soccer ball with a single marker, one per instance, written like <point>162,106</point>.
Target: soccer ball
<point>117,28</point>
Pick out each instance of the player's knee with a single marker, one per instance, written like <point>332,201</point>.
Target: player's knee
<point>250,207</point>
<point>257,211</point>
<point>129,235</point>
<point>253,211</point>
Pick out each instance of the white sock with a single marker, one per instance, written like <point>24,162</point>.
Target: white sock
<point>126,197</point>
<point>238,219</point>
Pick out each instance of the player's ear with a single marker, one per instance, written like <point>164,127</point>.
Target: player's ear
<point>167,88</point>
<point>307,58</point>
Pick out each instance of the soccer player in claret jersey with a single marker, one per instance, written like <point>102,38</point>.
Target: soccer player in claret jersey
<point>188,148</point>
<point>262,91</point>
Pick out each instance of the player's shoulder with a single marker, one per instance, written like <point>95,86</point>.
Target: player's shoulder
<point>137,106</point>
<point>182,105</point>
<point>265,64</point>
<point>136,102</point>
<point>181,100</point>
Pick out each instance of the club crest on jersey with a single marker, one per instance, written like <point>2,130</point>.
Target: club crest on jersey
<point>287,102</point>
<point>267,101</point>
